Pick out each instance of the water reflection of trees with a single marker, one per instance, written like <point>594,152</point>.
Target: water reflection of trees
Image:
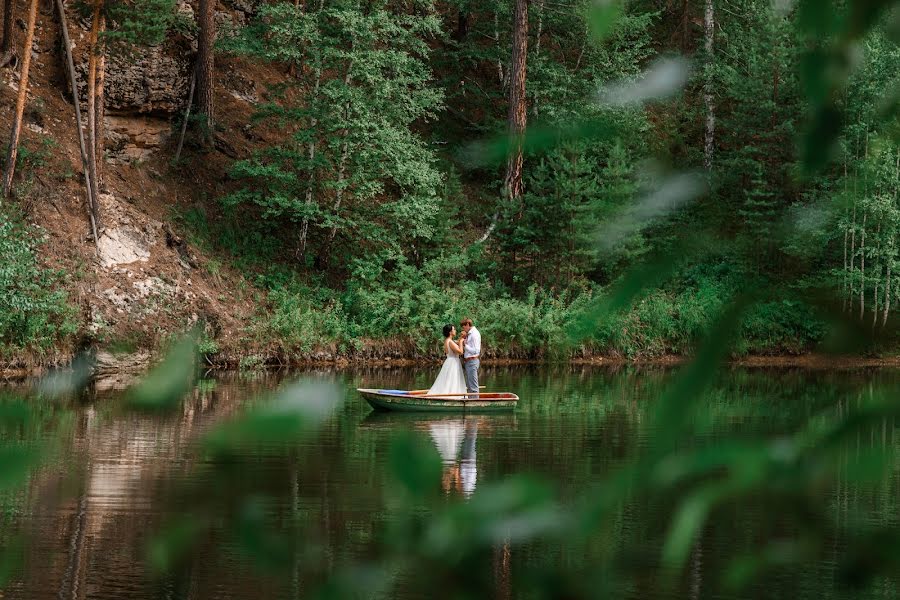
<point>121,476</point>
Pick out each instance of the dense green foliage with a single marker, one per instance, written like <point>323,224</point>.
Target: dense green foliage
<point>374,206</point>
<point>32,315</point>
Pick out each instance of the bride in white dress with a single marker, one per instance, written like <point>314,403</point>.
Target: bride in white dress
<point>451,379</point>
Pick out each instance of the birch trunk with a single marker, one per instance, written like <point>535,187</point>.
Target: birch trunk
<point>845,277</point>
<point>187,113</point>
<point>862,242</point>
<point>862,268</point>
<point>93,215</point>
<point>535,110</point>
<point>342,165</point>
<point>311,149</point>
<point>878,254</point>
<point>709,28</point>
<point>890,261</point>
<point>20,101</point>
<point>497,40</point>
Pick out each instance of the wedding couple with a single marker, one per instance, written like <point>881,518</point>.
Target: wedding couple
<point>459,376</point>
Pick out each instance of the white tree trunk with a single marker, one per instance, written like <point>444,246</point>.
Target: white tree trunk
<point>709,29</point>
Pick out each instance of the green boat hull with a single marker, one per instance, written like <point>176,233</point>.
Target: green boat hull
<point>411,403</point>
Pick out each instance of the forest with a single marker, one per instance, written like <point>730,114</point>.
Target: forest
<point>532,164</point>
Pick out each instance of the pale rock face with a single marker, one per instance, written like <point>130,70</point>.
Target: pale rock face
<point>122,246</point>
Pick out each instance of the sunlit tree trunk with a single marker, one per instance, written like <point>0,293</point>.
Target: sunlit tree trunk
<point>20,101</point>
<point>709,27</point>
<point>92,206</point>
<point>100,108</point>
<point>206,67</point>
<point>94,52</point>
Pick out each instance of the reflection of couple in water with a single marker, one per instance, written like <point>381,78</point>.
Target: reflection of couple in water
<point>455,441</point>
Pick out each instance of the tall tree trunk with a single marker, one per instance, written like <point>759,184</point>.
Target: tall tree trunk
<point>517,116</point>
<point>709,28</point>
<point>100,108</point>
<point>462,25</point>
<point>311,148</point>
<point>890,258</point>
<point>342,164</point>
<point>92,205</point>
<point>862,242</point>
<point>93,53</point>
<point>6,40</point>
<point>535,110</point>
<point>500,74</point>
<point>845,279</point>
<point>862,268</point>
<point>878,255</point>
<point>206,67</point>
<point>187,113</point>
<point>20,101</point>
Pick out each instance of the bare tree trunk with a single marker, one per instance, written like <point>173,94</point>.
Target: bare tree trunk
<point>187,113</point>
<point>517,117</point>
<point>862,243</point>
<point>342,164</point>
<point>93,213</point>
<point>206,67</point>
<point>100,108</point>
<point>890,261</point>
<point>6,46</point>
<point>845,278</point>
<point>20,101</point>
<point>93,51</point>
<point>878,254</point>
<point>500,74</point>
<point>709,27</point>
<point>862,268</point>
<point>311,149</point>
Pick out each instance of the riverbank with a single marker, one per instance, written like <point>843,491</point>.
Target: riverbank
<point>134,364</point>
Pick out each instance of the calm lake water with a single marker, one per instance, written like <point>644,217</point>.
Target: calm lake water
<point>112,479</point>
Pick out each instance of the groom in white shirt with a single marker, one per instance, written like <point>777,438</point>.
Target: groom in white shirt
<point>471,354</point>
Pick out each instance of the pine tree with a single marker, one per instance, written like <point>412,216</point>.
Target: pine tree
<point>206,67</point>
<point>20,102</point>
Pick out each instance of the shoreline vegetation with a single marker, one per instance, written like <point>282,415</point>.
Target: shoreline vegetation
<point>109,364</point>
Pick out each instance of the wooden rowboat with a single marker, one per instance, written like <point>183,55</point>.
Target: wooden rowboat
<point>421,401</point>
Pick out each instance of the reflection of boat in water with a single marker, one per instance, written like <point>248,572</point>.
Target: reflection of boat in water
<point>421,401</point>
<point>454,437</point>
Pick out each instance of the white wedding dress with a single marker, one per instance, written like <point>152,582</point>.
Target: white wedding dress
<point>451,379</point>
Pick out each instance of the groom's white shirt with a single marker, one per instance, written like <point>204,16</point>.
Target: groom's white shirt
<point>473,343</point>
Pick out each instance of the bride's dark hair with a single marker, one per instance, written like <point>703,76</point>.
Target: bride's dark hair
<point>447,329</point>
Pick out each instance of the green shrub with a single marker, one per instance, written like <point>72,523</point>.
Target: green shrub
<point>33,315</point>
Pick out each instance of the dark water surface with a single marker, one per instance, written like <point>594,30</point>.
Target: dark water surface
<point>113,479</point>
